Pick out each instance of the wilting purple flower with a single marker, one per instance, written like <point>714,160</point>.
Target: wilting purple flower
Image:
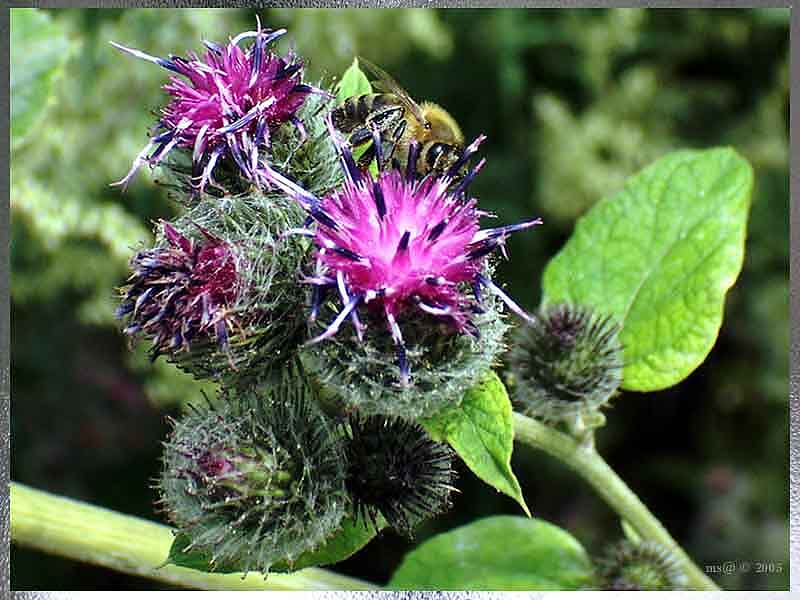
<point>397,244</point>
<point>181,291</point>
<point>225,104</point>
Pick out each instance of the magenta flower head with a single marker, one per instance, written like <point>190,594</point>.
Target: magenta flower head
<point>225,105</point>
<point>399,249</point>
<point>181,292</point>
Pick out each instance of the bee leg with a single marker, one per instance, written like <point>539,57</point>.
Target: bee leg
<point>357,139</point>
<point>360,136</point>
<point>366,157</point>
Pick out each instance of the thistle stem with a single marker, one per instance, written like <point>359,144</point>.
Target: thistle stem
<point>80,531</point>
<point>587,463</point>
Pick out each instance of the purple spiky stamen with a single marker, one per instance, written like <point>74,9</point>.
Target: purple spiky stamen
<point>396,244</point>
<point>180,292</point>
<point>225,104</point>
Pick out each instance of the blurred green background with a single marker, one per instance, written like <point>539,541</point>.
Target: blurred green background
<point>572,101</point>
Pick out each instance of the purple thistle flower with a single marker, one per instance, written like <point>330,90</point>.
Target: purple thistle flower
<point>225,104</point>
<point>397,244</point>
<point>181,291</point>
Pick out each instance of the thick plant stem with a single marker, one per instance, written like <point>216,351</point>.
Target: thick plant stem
<point>87,533</point>
<point>587,463</point>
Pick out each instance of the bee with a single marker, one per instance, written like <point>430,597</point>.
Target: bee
<point>391,117</point>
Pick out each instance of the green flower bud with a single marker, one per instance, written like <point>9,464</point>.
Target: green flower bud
<point>565,364</point>
<point>646,566</point>
<point>256,479</point>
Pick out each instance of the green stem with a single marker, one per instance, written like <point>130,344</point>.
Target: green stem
<point>585,461</point>
<point>80,531</point>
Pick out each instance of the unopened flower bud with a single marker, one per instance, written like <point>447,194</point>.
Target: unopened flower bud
<point>397,471</point>
<point>566,363</point>
<point>645,566</point>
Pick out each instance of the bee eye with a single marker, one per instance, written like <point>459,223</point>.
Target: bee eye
<point>434,152</point>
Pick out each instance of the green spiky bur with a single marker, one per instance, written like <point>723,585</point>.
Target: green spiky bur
<point>566,365</point>
<point>256,479</point>
<point>396,471</point>
<point>646,566</point>
<point>364,374</point>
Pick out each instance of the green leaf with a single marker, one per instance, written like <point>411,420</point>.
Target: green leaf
<point>660,256</point>
<point>39,49</point>
<point>355,83</point>
<point>497,553</point>
<point>349,539</point>
<point>352,83</point>
<point>193,559</point>
<point>481,432</point>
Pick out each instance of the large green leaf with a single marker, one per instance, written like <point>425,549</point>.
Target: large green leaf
<point>497,553</point>
<point>481,432</point>
<point>39,49</point>
<point>660,256</point>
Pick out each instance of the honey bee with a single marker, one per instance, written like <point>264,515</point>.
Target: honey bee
<point>391,117</point>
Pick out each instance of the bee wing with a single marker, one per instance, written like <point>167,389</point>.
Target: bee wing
<point>388,84</point>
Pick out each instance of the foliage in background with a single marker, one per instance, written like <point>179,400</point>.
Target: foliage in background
<point>573,103</point>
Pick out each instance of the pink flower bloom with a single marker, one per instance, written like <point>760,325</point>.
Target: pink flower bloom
<point>180,292</point>
<point>397,244</point>
<point>225,104</point>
